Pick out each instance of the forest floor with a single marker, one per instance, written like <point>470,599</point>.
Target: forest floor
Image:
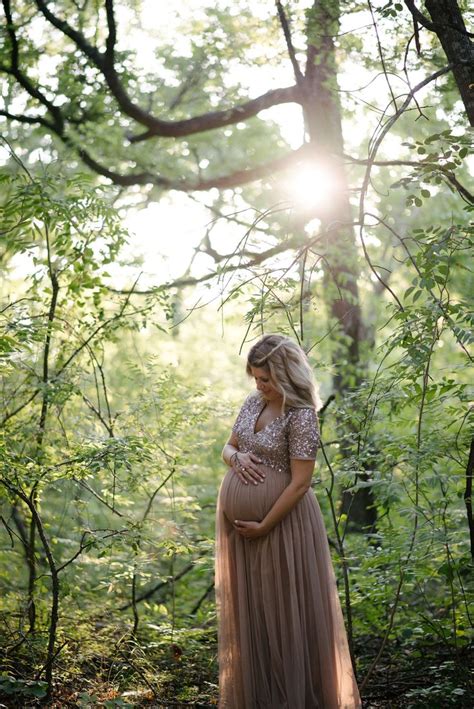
<point>429,676</point>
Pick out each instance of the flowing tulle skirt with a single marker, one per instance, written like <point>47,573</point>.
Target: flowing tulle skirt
<point>281,635</point>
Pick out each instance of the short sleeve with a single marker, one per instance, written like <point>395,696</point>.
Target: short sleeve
<point>303,434</point>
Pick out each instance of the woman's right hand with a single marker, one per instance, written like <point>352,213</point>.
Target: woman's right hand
<point>247,467</point>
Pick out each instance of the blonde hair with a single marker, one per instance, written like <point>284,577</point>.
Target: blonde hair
<point>288,368</point>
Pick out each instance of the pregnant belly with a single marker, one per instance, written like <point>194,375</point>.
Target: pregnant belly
<point>250,502</point>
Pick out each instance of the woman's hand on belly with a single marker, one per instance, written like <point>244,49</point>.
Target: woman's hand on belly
<point>248,469</point>
<point>250,502</point>
<point>250,530</point>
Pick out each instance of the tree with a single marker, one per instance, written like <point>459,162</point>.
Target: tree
<point>91,108</point>
<point>446,21</point>
<point>62,323</point>
<point>315,90</point>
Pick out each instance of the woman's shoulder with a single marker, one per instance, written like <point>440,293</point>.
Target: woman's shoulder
<point>300,410</point>
<point>302,414</point>
<point>303,432</point>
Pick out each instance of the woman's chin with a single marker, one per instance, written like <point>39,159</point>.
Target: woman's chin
<point>270,396</point>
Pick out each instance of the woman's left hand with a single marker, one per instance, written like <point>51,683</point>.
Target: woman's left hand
<point>250,530</point>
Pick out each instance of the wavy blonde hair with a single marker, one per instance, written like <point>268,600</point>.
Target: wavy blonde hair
<point>289,369</point>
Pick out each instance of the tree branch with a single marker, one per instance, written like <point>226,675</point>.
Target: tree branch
<point>457,46</point>
<point>234,179</point>
<point>217,119</point>
<point>193,125</point>
<point>31,120</point>
<point>239,177</point>
<point>162,584</point>
<point>450,176</point>
<point>387,127</point>
<point>156,126</point>
<point>77,37</point>
<point>468,495</point>
<point>192,281</point>
<point>112,36</point>
<point>285,25</point>
<point>429,24</point>
<point>22,79</point>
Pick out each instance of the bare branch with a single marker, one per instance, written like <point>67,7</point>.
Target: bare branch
<point>381,56</point>
<point>112,36</point>
<point>192,281</point>
<point>191,80</point>
<point>285,25</point>
<point>232,217</point>
<point>215,119</point>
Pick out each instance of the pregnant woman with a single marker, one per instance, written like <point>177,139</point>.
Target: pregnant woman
<point>282,641</point>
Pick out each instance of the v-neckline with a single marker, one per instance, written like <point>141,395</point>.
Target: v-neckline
<point>259,413</point>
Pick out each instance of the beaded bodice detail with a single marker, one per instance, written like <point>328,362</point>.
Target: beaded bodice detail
<point>294,434</point>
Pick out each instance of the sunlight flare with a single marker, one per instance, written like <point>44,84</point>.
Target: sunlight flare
<point>311,186</point>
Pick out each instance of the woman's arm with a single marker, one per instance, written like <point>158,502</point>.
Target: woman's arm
<point>231,447</point>
<point>301,473</point>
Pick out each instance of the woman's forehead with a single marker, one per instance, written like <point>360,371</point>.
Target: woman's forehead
<point>259,372</point>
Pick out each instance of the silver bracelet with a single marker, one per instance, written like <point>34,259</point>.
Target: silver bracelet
<point>231,459</point>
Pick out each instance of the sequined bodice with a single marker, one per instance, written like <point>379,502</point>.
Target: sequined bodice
<point>293,434</point>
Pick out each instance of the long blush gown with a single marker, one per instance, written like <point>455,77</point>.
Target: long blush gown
<point>282,643</point>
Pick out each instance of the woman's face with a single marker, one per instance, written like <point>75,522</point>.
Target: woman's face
<point>264,384</point>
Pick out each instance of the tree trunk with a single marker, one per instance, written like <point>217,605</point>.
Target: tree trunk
<point>458,47</point>
<point>324,127</point>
